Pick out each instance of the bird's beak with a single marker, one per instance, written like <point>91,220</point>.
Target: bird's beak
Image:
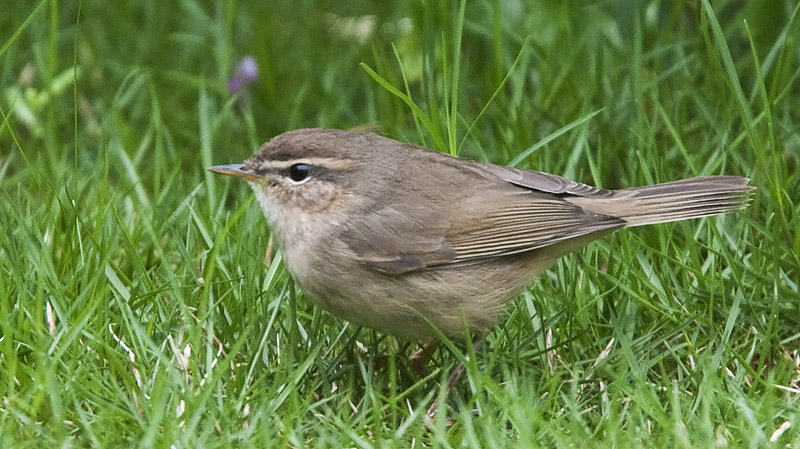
<point>237,170</point>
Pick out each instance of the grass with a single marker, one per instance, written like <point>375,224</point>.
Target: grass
<point>136,307</point>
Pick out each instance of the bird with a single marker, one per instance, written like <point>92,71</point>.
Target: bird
<point>413,242</point>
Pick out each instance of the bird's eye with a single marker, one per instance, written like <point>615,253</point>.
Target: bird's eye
<point>299,172</point>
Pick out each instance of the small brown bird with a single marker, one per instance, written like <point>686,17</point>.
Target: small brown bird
<point>398,238</point>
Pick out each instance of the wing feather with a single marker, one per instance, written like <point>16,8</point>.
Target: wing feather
<point>525,220</point>
<point>540,223</point>
<point>544,182</point>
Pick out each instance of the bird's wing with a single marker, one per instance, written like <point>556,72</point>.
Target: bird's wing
<point>523,218</point>
<point>526,225</point>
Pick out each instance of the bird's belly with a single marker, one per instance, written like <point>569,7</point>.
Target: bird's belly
<point>453,298</point>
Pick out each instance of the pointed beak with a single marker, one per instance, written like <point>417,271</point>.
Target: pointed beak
<point>237,170</point>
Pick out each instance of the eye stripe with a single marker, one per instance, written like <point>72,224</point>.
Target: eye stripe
<point>272,166</point>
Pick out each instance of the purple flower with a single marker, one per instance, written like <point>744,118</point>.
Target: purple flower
<point>246,73</point>
<point>235,84</point>
<point>248,68</point>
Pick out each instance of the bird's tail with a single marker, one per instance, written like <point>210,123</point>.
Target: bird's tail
<point>677,200</point>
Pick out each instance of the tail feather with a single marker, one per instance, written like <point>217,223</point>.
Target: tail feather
<point>677,200</point>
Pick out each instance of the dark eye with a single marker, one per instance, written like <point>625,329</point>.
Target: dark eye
<point>299,172</point>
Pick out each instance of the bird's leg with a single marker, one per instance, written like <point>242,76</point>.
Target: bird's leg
<point>422,355</point>
<point>454,376</point>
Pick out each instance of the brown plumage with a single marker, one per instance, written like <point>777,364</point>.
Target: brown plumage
<point>393,236</point>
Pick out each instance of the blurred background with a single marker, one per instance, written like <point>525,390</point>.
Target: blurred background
<point>77,74</point>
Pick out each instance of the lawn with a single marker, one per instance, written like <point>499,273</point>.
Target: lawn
<point>136,307</point>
